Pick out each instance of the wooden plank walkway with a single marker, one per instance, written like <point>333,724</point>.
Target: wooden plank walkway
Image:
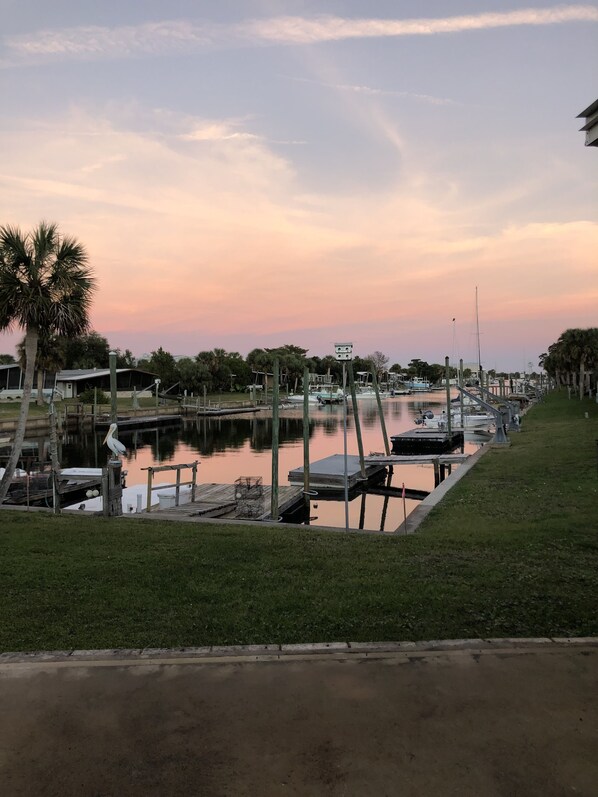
<point>218,500</point>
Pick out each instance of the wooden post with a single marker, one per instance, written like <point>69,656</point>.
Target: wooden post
<point>447,381</point>
<point>112,489</point>
<point>274,496</point>
<point>178,487</point>
<point>461,404</point>
<point>356,417</point>
<point>382,422</point>
<point>306,435</point>
<point>148,503</point>
<point>194,481</point>
<point>95,405</point>
<point>436,473</point>
<point>362,512</point>
<point>113,407</point>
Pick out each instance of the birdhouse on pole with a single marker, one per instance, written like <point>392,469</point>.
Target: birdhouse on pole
<point>343,351</point>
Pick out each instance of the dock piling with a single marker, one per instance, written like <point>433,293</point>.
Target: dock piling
<point>275,422</point>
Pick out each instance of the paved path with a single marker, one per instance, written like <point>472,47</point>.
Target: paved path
<point>509,720</point>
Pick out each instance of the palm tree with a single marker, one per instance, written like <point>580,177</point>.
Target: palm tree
<point>50,358</point>
<point>45,289</point>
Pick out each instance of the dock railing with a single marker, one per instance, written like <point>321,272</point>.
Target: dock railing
<point>178,483</point>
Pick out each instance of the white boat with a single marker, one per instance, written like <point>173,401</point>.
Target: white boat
<point>319,394</point>
<point>369,393</point>
<point>134,499</point>
<point>431,420</point>
<point>418,384</point>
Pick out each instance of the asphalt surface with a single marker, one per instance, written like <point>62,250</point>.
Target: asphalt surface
<point>510,719</point>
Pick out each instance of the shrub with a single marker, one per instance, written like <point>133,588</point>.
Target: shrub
<point>87,397</point>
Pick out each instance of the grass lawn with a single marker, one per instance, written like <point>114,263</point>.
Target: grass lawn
<point>511,551</point>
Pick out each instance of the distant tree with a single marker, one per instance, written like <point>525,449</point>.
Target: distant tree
<point>125,359</point>
<point>193,375</point>
<point>7,359</point>
<point>45,289</point>
<point>330,364</point>
<point>437,372</point>
<point>86,351</point>
<point>163,364</point>
<point>379,362</point>
<point>569,358</point>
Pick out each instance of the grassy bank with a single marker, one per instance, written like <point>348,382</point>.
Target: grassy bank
<point>512,551</point>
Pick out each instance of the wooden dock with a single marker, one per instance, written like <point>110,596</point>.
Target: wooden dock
<point>329,473</point>
<point>210,412</point>
<point>426,441</point>
<point>219,501</point>
<point>138,422</point>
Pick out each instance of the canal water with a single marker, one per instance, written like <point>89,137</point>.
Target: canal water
<point>241,445</point>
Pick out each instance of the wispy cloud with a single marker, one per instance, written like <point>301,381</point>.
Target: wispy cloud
<point>372,91</point>
<point>299,30</point>
<point>185,36</point>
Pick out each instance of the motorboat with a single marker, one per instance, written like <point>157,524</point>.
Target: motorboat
<point>418,384</point>
<point>318,394</point>
<point>431,420</point>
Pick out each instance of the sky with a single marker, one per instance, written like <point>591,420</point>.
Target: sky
<point>252,174</point>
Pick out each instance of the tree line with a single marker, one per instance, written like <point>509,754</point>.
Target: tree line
<point>217,370</point>
<point>572,360</point>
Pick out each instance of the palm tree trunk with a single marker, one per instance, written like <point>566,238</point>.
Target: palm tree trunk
<point>40,387</point>
<point>30,355</point>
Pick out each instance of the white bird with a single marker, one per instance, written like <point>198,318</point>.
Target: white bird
<point>113,444</point>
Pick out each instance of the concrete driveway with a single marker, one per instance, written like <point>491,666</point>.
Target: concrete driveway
<point>503,718</point>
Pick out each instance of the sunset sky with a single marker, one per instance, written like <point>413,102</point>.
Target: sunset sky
<point>257,173</point>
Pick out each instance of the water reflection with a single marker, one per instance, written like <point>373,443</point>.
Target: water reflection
<point>241,445</point>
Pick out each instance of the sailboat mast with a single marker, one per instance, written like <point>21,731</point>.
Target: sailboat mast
<point>477,327</point>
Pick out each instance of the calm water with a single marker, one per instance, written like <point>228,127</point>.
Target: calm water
<point>241,446</point>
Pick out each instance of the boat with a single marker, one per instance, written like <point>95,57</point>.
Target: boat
<point>319,394</point>
<point>418,384</point>
<point>37,488</point>
<point>431,420</point>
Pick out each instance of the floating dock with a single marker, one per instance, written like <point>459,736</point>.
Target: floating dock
<point>210,412</point>
<point>426,441</point>
<point>329,473</point>
<point>139,422</point>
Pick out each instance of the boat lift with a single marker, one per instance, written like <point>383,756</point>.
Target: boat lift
<point>500,435</point>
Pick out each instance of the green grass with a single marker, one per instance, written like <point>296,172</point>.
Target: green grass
<point>512,551</point>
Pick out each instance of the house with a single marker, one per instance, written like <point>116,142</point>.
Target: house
<point>12,377</point>
<point>591,126</point>
<point>72,383</point>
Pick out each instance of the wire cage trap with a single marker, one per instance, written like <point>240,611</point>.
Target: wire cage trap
<point>249,495</point>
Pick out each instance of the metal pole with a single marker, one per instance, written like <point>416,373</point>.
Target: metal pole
<point>306,435</point>
<point>461,403</point>
<point>113,409</point>
<point>447,380</point>
<point>382,422</point>
<point>346,485</point>
<point>357,423</point>
<point>274,497</point>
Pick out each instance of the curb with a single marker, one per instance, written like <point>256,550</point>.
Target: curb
<point>276,652</point>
